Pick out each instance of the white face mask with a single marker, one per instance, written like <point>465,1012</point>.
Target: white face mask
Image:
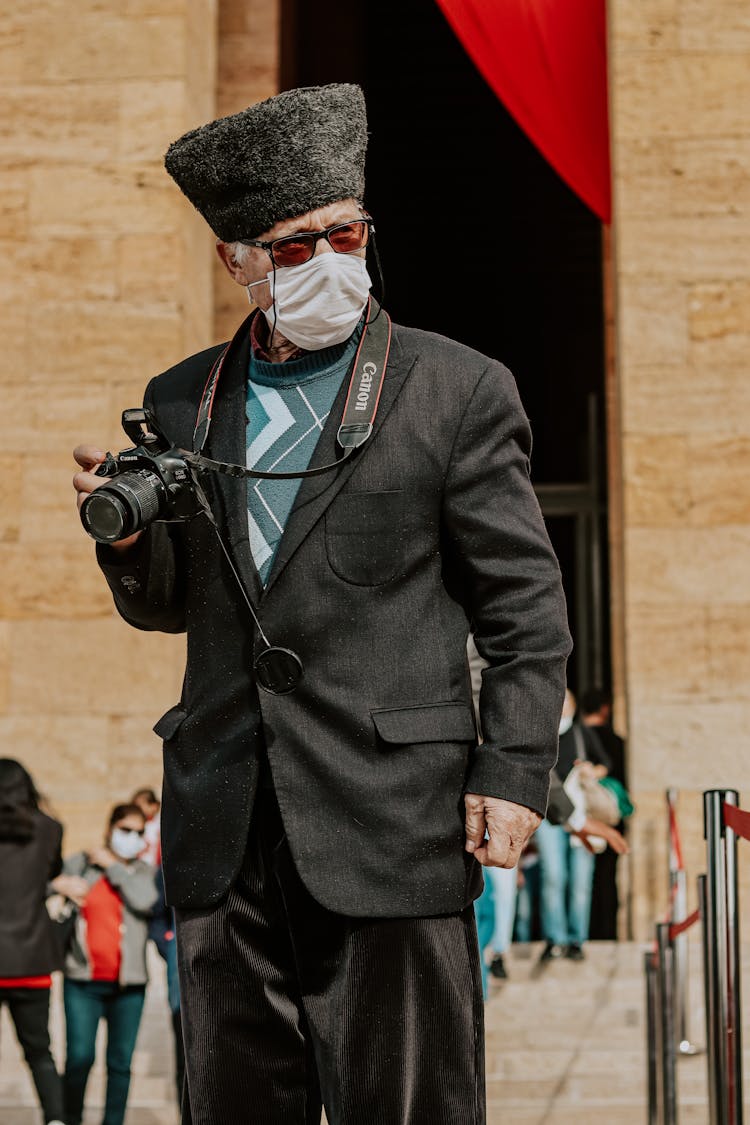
<point>126,845</point>
<point>566,722</point>
<point>320,302</point>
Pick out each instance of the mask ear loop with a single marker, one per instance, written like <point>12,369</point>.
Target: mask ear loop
<point>273,299</point>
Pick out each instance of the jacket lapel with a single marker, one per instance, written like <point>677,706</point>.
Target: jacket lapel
<point>227,441</point>
<point>316,493</point>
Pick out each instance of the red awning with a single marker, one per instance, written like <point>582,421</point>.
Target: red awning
<point>547,62</point>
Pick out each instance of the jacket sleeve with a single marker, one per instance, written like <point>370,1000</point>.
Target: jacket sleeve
<point>147,581</point>
<point>135,882</point>
<point>55,858</point>
<point>513,594</point>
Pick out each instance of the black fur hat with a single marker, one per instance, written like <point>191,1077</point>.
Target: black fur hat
<point>293,153</point>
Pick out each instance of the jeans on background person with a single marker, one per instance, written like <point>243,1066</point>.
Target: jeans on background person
<point>527,900</point>
<point>86,1003</point>
<point>504,885</point>
<point>484,912</point>
<point>29,1011</point>
<point>567,873</point>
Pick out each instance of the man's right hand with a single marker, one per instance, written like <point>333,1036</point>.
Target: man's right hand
<point>88,457</point>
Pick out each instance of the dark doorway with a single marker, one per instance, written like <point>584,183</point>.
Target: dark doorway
<point>481,241</point>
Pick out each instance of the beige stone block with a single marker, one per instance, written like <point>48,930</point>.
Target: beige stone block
<point>103,46</point>
<point>11,466</point>
<point>249,61</point>
<point>682,176</point>
<point>102,667</point>
<point>13,202</point>
<point>712,248</point>
<point>12,35</point>
<point>719,310</point>
<point>667,651</point>
<point>256,18</point>
<point>701,93</point>
<point>694,566</point>
<point>35,267</point>
<point>5,661</point>
<point>151,116</point>
<point>718,479</point>
<point>697,400</point>
<point>106,340</point>
<point>656,469</point>
<point>136,8</point>
<point>652,325</point>
<point>135,751</point>
<point>729,652</point>
<point>714,27</point>
<point>70,412</point>
<point>14,334</point>
<point>65,754</point>
<point>103,200</point>
<point>51,581</point>
<point>149,268</point>
<point>691,744</point>
<point>73,126</point>
<point>47,497</point>
<point>641,27</point>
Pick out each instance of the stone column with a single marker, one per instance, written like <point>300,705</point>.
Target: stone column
<point>680,87</point>
<point>107,280</point>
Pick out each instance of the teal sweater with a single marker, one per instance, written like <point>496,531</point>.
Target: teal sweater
<point>287,406</point>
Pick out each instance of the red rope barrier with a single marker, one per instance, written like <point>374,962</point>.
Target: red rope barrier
<point>674,833</point>
<point>678,928</point>
<point>738,820</point>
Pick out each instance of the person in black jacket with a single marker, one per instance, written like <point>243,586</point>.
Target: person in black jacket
<point>320,845</point>
<point>30,859</point>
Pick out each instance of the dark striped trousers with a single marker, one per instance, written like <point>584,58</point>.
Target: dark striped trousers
<point>287,1007</point>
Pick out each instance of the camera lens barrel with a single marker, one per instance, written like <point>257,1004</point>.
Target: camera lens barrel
<point>123,506</point>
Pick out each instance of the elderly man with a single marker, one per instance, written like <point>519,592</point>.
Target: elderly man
<point>324,802</point>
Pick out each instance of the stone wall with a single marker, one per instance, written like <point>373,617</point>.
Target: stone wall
<point>107,280</point>
<point>680,85</point>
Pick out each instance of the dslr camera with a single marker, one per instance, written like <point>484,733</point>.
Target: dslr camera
<point>152,481</point>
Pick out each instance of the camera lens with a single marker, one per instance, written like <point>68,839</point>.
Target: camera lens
<point>104,517</point>
<point>123,506</point>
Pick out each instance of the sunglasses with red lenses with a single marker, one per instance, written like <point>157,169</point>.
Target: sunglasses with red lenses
<point>296,249</point>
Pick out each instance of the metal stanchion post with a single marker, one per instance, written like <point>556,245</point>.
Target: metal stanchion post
<point>652,1037</point>
<point>679,912</point>
<point>734,1006</point>
<point>723,978</point>
<point>667,1029</point>
<point>708,993</point>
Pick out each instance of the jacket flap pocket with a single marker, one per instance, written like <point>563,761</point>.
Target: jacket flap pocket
<point>170,723</point>
<point>437,722</point>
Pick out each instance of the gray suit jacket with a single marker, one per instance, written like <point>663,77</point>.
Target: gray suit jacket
<point>382,566</point>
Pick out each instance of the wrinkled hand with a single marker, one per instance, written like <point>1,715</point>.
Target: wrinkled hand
<point>510,827</point>
<point>72,887</point>
<point>89,457</point>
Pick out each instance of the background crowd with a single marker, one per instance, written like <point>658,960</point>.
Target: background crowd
<point>91,916</point>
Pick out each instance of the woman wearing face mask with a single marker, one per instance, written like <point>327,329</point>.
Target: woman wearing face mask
<point>105,967</point>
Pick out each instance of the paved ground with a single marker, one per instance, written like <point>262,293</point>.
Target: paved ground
<point>563,1048</point>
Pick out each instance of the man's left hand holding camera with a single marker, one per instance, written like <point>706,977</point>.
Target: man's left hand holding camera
<point>88,457</point>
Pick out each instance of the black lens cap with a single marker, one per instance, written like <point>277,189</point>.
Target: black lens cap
<point>278,670</point>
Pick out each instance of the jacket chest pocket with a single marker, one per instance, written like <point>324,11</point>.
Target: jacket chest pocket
<point>366,538</point>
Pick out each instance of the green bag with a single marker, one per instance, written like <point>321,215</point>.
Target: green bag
<point>621,795</point>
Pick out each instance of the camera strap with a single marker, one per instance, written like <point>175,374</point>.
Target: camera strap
<point>360,408</point>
